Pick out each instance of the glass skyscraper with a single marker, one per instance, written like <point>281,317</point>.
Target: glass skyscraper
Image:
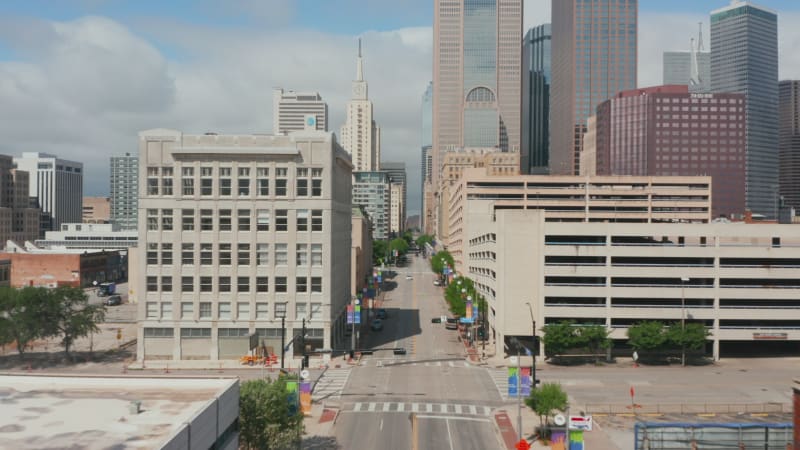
<point>744,59</point>
<point>536,74</point>
<point>594,57</point>
<point>427,142</point>
<point>125,191</point>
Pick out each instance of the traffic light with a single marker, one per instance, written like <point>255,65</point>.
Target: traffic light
<point>399,351</point>
<point>352,354</point>
<point>366,352</point>
<point>536,381</point>
<point>305,361</point>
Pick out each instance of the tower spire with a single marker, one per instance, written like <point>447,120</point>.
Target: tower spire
<point>359,64</point>
<point>700,39</point>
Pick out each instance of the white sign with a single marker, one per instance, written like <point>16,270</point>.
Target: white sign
<point>580,423</point>
<point>560,420</point>
<point>304,374</point>
<point>512,360</point>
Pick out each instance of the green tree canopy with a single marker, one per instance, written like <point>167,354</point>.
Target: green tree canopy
<point>424,239</point>
<point>595,338</point>
<point>266,419</point>
<point>546,400</point>
<point>648,336</point>
<point>24,316</point>
<point>693,336</point>
<point>441,260</point>
<point>560,337</point>
<point>380,250</point>
<point>400,245</point>
<point>71,316</point>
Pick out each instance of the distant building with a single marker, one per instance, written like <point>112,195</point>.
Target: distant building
<point>290,109</point>
<point>397,175</point>
<point>588,164</point>
<point>372,190</point>
<point>361,136</point>
<point>692,68</point>
<point>790,142</point>
<point>33,266</point>
<point>744,60</point>
<point>19,219</point>
<point>427,144</point>
<point>536,75</point>
<point>667,131</point>
<point>594,57</point>
<point>89,236</point>
<point>96,209</point>
<point>361,250</point>
<point>125,190</point>
<point>397,222</point>
<point>57,184</point>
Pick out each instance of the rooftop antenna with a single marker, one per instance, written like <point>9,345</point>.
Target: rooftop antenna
<point>360,64</point>
<point>694,76</point>
<point>700,39</point>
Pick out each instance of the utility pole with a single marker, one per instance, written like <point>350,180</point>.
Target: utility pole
<point>519,394</point>
<point>303,346</point>
<point>283,340</point>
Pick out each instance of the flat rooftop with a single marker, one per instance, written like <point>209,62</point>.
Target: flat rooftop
<point>94,412</point>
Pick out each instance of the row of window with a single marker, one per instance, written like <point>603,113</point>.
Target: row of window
<point>302,284</point>
<point>163,310</point>
<point>222,254</point>
<point>205,333</point>
<point>308,182</point>
<point>222,220</point>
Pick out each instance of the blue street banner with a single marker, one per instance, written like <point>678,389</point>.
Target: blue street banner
<point>513,372</point>
<point>525,382</point>
<point>350,317</point>
<point>371,293</point>
<point>357,316</point>
<point>469,313</point>
<point>293,398</point>
<point>380,279</point>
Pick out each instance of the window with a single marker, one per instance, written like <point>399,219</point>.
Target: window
<point>187,217</point>
<point>205,284</point>
<point>300,310</point>
<point>262,311</point>
<point>224,310</point>
<point>262,254</point>
<point>224,284</point>
<point>301,181</point>
<point>243,255</point>
<point>316,284</point>
<point>280,284</point>
<point>152,220</point>
<point>224,181</point>
<point>243,311</point>
<point>280,310</point>
<point>152,181</point>
<point>262,284</point>
<point>281,220</point>
<point>195,333</point>
<point>206,254</point>
<point>302,255</point>
<point>187,254</point>
<point>152,284</point>
<point>243,220</point>
<point>151,310</point>
<point>316,220</point>
<point>187,284</point>
<point>263,181</point>
<point>224,220</point>
<point>316,311</point>
<point>206,185</point>
<point>280,181</point>
<point>152,253</point>
<point>166,180</point>
<point>263,220</point>
<point>166,310</point>
<point>316,255</point>
<point>302,220</point>
<point>281,255</point>
<point>187,310</point>
<point>166,284</point>
<point>188,181</point>
<point>205,310</point>
<point>206,220</point>
<point>301,284</point>
<point>166,219</point>
<point>242,284</point>
<point>159,333</point>
<point>224,254</point>
<point>244,187</point>
<point>316,182</point>
<point>166,254</point>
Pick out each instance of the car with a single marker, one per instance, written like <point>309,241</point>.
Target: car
<point>451,323</point>
<point>436,283</point>
<point>436,320</point>
<point>382,314</point>
<point>376,325</point>
<point>409,277</point>
<point>113,300</point>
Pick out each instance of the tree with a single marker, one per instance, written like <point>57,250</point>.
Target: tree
<point>380,249</point>
<point>648,336</point>
<point>595,338</point>
<point>424,239</point>
<point>266,418</point>
<point>441,260</point>
<point>560,337</point>
<point>546,400</point>
<point>400,245</point>
<point>71,316</point>
<point>693,336</point>
<point>408,236</point>
<point>24,316</point>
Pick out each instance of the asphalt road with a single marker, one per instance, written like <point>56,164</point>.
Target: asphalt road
<point>427,399</point>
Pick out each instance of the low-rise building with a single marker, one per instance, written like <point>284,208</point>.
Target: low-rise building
<point>738,280</point>
<point>33,266</point>
<point>119,412</point>
<point>89,236</point>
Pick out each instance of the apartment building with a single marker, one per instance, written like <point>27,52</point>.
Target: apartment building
<point>290,111</point>
<point>238,235</point>
<point>372,190</point>
<point>575,199</point>
<point>124,191</point>
<point>739,280</point>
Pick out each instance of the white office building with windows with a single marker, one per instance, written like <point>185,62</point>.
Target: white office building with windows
<point>57,184</point>
<point>237,233</point>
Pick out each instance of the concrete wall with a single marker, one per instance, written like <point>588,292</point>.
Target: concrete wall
<point>233,348</point>
<point>204,429</point>
<point>158,348</point>
<point>196,348</point>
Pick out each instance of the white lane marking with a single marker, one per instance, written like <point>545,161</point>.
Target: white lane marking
<point>415,407</point>
<point>487,411</point>
<point>458,409</point>
<point>451,364</point>
<point>401,407</point>
<point>443,407</point>
<point>371,407</point>
<point>449,436</point>
<point>386,407</point>
<point>357,407</point>
<point>429,407</point>
<point>381,424</point>
<point>466,364</point>
<point>471,419</point>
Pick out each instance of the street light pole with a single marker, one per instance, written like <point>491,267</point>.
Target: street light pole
<point>283,340</point>
<point>519,395</point>
<point>535,349</point>
<point>683,321</point>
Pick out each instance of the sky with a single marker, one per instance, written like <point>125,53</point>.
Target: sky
<point>81,78</point>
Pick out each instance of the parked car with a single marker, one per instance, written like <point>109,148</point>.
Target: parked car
<point>409,277</point>
<point>376,325</point>
<point>436,320</point>
<point>382,314</point>
<point>113,300</point>
<point>451,323</point>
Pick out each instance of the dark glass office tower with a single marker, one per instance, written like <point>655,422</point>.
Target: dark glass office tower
<point>535,136</point>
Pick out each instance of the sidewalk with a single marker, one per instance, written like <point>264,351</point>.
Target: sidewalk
<point>319,427</point>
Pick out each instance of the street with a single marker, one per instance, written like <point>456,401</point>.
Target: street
<point>429,398</point>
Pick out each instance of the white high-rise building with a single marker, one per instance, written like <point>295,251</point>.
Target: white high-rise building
<point>290,110</point>
<point>361,136</point>
<point>396,219</point>
<point>57,184</point>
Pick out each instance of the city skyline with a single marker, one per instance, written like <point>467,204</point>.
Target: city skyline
<point>183,80</point>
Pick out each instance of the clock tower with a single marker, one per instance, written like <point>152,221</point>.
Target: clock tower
<point>359,85</point>
<point>360,134</point>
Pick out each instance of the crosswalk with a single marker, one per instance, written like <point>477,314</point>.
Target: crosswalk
<point>422,408</point>
<point>500,379</point>
<point>388,362</point>
<point>331,384</point>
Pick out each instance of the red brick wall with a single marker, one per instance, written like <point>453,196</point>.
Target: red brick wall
<point>44,270</point>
